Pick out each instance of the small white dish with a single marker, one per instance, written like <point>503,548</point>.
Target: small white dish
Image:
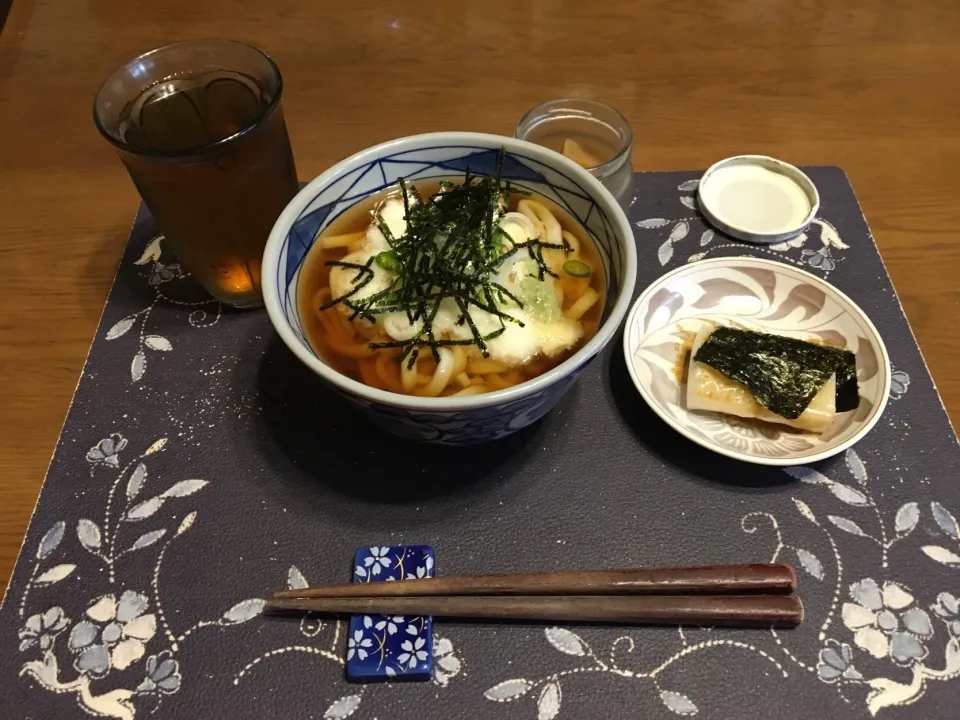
<point>760,295</point>
<point>758,198</point>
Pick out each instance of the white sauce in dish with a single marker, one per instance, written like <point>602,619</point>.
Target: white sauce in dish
<point>756,199</point>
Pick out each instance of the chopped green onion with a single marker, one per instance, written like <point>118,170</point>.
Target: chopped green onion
<point>576,268</point>
<point>388,261</point>
<point>499,238</point>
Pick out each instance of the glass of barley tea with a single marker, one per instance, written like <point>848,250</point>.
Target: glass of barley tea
<point>199,127</point>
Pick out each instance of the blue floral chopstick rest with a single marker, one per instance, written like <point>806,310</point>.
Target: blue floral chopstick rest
<point>390,648</point>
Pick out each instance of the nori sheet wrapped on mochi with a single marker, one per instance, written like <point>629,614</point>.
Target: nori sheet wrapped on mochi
<point>782,373</point>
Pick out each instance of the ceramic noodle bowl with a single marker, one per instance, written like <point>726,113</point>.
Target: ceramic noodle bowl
<point>455,420</point>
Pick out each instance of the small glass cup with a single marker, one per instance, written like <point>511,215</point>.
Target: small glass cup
<point>199,127</point>
<point>591,133</point>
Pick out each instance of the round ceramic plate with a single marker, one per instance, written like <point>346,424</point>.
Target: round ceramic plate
<point>758,295</point>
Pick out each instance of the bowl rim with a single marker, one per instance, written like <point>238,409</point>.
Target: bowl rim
<point>605,332</point>
<point>823,454</point>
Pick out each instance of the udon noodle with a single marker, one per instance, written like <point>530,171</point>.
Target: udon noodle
<point>382,310</point>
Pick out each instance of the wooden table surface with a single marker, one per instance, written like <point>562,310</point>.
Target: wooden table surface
<point>869,86</point>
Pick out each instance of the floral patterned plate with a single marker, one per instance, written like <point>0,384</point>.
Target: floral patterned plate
<point>760,295</point>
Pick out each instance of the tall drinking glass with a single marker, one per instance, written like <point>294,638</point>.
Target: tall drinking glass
<point>199,127</point>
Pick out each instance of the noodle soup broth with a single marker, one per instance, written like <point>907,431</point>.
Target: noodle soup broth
<point>558,314</point>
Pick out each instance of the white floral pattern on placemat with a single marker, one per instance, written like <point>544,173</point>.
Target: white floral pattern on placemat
<point>903,650</point>
<point>899,384</point>
<point>123,629</point>
<point>899,651</point>
<point>158,275</point>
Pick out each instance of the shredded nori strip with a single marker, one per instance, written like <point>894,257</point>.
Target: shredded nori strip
<point>462,266</point>
<point>783,374</point>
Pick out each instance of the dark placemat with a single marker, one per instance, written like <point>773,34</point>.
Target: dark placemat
<point>201,466</point>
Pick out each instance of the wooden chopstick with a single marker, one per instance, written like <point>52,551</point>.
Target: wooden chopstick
<point>737,579</point>
<point>732,610</point>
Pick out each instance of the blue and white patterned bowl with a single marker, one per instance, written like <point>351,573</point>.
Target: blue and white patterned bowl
<point>454,420</point>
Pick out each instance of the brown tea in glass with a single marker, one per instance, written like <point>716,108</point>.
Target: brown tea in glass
<point>200,129</point>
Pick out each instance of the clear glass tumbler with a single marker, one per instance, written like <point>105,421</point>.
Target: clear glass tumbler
<point>199,127</point>
<point>591,133</point>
